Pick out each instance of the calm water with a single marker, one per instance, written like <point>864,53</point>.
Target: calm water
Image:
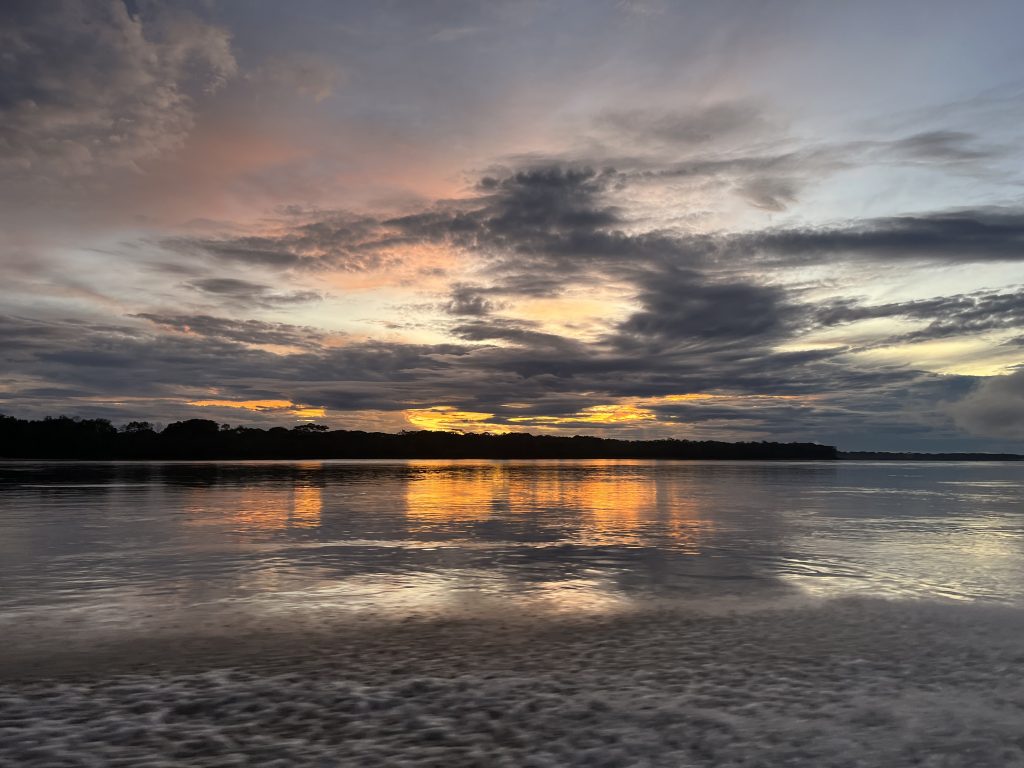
<point>118,544</point>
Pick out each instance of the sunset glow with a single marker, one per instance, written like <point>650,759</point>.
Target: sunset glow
<point>631,219</point>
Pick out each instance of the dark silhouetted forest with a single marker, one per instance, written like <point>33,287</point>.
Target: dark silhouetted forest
<point>68,438</point>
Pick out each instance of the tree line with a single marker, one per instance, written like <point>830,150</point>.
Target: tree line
<point>72,438</point>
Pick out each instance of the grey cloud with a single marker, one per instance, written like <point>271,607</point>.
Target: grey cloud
<point>516,332</point>
<point>184,357</point>
<point>548,200</point>
<point>468,300</point>
<point>957,236</point>
<point>249,293</point>
<point>770,194</point>
<point>85,85</point>
<point>995,408</point>
<point>941,147</point>
<point>328,241</point>
<point>701,325</point>
<point>565,219</point>
<point>682,306</point>
<point>947,315</point>
<point>537,228</point>
<point>768,174</point>
<point>241,331</point>
<point>697,126</point>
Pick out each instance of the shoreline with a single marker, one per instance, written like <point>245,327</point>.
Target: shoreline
<point>892,682</point>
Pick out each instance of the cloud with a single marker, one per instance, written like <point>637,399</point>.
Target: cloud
<point>683,307</point>
<point>252,332</point>
<point>518,332</point>
<point>682,129</point>
<point>332,240</point>
<point>468,300</point>
<point>85,85</point>
<point>770,194</point>
<point>691,321</point>
<point>280,407</point>
<point>251,294</point>
<point>943,147</point>
<point>956,315</point>
<point>994,408</point>
<point>506,369</point>
<point>957,236</point>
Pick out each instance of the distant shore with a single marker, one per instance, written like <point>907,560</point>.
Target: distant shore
<point>71,439</point>
<point>197,439</point>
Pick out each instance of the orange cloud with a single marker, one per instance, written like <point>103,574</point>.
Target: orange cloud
<point>712,396</point>
<point>293,409</point>
<point>614,413</point>
<point>448,418</point>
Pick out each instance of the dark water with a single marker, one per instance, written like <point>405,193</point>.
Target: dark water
<point>116,544</point>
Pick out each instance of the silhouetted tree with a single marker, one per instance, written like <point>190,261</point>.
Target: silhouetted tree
<point>195,429</point>
<point>137,427</point>
<point>70,438</point>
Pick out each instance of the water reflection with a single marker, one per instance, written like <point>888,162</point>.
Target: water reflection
<point>255,510</point>
<point>134,541</point>
<point>612,502</point>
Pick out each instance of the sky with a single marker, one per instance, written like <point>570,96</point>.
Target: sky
<point>735,220</point>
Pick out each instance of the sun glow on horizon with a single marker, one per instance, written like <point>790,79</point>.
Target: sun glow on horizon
<point>448,418</point>
<point>286,406</point>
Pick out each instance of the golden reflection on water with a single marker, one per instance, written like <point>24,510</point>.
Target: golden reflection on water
<point>307,506</point>
<point>606,503</point>
<point>263,508</point>
<point>271,509</point>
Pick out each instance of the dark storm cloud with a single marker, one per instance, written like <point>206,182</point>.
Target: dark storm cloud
<point>85,84</point>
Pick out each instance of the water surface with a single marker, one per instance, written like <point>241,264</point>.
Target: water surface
<point>119,545</point>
